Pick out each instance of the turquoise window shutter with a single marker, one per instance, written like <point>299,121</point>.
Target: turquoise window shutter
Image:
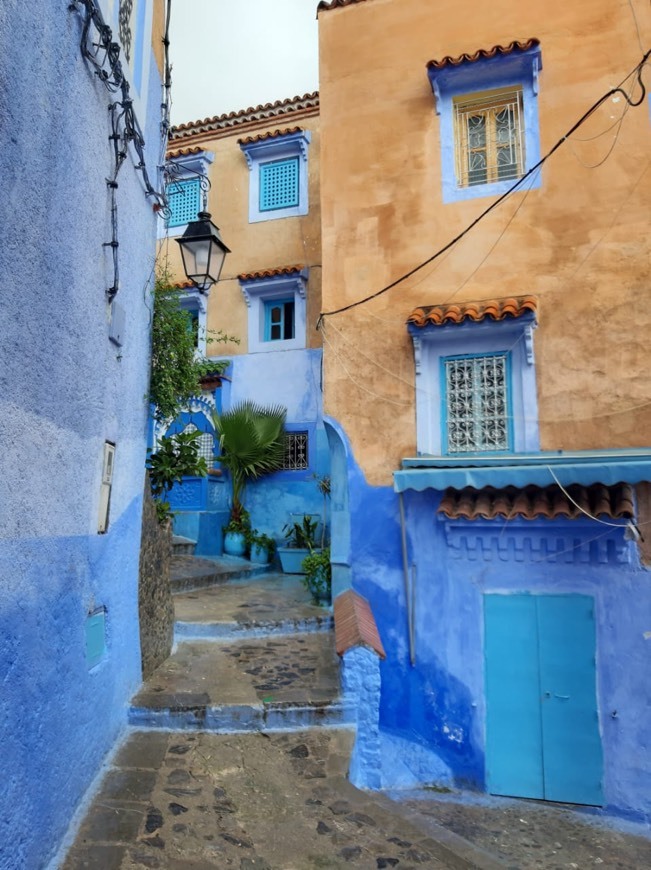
<point>279,184</point>
<point>184,199</point>
<point>95,638</point>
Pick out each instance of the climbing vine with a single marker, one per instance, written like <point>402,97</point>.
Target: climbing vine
<point>176,367</point>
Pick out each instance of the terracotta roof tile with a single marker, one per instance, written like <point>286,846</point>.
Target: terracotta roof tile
<point>484,54</point>
<point>183,152</point>
<point>495,309</point>
<point>270,134</point>
<point>269,273</point>
<point>532,502</point>
<point>264,111</point>
<point>335,4</point>
<point>355,625</point>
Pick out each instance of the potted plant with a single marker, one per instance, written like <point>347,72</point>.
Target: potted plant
<point>252,442</point>
<point>236,532</point>
<point>261,547</point>
<point>318,575</point>
<point>301,541</point>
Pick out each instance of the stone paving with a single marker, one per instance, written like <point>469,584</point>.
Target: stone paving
<point>290,672</point>
<point>246,801</point>
<point>275,797</point>
<point>530,835</point>
<point>274,602</point>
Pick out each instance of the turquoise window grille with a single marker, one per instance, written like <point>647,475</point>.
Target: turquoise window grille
<point>279,184</point>
<point>184,198</point>
<point>279,320</point>
<point>477,403</point>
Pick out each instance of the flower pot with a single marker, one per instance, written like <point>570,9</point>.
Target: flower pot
<point>259,555</point>
<point>291,559</point>
<point>234,543</point>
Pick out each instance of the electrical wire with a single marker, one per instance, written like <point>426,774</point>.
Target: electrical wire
<point>579,508</point>
<point>637,71</point>
<point>637,25</point>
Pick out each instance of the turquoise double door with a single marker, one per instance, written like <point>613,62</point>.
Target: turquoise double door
<point>542,726</point>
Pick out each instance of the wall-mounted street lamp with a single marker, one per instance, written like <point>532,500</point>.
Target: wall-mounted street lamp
<point>203,252</point>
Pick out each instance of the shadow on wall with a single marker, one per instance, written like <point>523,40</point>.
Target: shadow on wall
<point>426,704</point>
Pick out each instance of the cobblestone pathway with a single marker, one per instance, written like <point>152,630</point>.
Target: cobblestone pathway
<point>222,786</point>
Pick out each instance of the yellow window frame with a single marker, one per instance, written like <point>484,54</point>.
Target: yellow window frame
<point>487,104</point>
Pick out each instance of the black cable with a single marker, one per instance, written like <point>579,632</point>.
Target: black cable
<point>617,90</point>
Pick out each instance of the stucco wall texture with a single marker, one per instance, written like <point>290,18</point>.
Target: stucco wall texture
<point>65,391</point>
<point>254,246</point>
<point>579,241</point>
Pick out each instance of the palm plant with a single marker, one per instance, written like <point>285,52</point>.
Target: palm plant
<point>252,441</point>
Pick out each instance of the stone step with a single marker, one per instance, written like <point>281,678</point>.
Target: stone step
<point>270,683</point>
<point>194,572</point>
<point>183,546</point>
<point>261,606</point>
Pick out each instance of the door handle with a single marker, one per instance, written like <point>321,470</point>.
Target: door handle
<point>562,697</point>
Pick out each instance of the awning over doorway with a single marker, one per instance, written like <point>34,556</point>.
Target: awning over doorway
<point>586,467</point>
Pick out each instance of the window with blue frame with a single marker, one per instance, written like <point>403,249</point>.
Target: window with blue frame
<point>476,392</point>
<point>279,184</point>
<point>278,178</point>
<point>184,199</point>
<point>279,320</point>
<point>489,131</point>
<point>276,304</point>
<point>475,377</point>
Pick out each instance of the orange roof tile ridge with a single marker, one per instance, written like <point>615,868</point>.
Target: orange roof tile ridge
<point>355,624</point>
<point>183,152</point>
<point>457,312</point>
<point>251,113</point>
<point>484,53</point>
<point>269,134</point>
<point>533,502</point>
<point>269,273</point>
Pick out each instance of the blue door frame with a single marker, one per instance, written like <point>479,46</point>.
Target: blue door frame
<point>542,728</point>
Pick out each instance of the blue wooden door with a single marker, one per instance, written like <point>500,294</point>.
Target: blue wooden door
<point>542,730</point>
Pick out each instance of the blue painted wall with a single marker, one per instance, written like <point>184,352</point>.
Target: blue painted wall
<point>290,378</point>
<point>432,715</point>
<point>65,390</point>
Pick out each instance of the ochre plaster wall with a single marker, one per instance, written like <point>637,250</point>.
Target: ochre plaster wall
<point>580,242</point>
<point>266,245</point>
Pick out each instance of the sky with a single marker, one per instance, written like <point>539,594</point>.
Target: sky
<point>231,54</point>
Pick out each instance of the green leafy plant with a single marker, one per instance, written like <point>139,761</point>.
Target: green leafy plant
<point>324,487</point>
<point>240,523</point>
<point>176,367</point>
<point>254,538</point>
<point>176,457</point>
<point>252,442</point>
<point>318,574</point>
<point>302,535</point>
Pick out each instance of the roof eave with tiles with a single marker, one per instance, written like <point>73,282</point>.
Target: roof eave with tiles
<point>514,47</point>
<point>535,502</point>
<point>270,273</point>
<point>252,118</point>
<point>493,309</point>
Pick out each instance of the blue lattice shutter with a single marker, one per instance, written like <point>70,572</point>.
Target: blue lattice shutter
<point>279,184</point>
<point>184,199</point>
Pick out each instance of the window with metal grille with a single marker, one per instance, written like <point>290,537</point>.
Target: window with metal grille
<point>206,444</point>
<point>477,403</point>
<point>489,137</point>
<point>279,184</point>
<point>296,455</point>
<point>279,320</point>
<point>184,198</point>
